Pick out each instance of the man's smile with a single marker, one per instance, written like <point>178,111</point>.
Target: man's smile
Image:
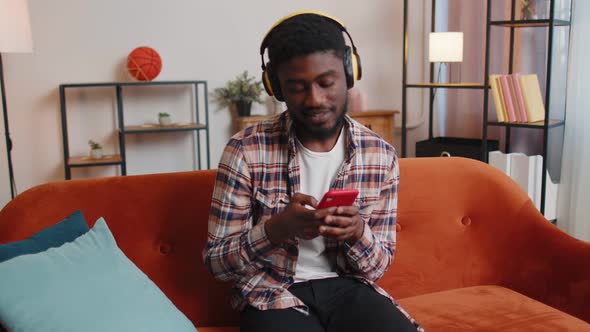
<point>317,115</point>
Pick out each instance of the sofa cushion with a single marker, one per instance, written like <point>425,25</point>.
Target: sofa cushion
<point>487,308</point>
<point>64,231</point>
<point>84,285</point>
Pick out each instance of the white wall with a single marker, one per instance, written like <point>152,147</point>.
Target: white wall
<point>574,210</point>
<point>88,41</point>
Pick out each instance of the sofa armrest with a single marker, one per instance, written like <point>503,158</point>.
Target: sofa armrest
<point>546,264</point>
<point>464,223</point>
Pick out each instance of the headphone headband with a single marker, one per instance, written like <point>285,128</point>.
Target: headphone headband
<point>297,13</point>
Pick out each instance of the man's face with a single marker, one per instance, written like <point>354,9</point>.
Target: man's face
<point>315,91</point>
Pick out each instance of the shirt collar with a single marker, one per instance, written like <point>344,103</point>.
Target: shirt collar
<point>351,129</point>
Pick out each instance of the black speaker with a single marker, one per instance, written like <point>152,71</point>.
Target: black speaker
<point>453,147</point>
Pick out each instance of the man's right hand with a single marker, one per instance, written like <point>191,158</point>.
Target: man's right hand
<point>297,220</point>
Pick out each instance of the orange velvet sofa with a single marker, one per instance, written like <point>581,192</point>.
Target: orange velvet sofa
<point>473,252</point>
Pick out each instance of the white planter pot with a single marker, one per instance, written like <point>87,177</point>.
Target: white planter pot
<point>165,120</point>
<point>96,153</point>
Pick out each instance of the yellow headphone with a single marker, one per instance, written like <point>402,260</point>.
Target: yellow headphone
<point>351,59</point>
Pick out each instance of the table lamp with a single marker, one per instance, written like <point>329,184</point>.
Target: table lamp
<point>15,37</point>
<point>445,47</point>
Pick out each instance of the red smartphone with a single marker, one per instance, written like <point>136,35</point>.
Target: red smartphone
<point>338,197</point>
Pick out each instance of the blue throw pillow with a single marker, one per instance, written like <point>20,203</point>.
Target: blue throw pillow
<point>85,285</point>
<point>66,230</point>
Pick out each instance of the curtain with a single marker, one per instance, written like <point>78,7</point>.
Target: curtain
<point>574,210</point>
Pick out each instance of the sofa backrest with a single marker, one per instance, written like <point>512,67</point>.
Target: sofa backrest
<point>453,215</point>
<point>158,220</point>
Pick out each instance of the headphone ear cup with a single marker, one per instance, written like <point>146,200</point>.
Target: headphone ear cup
<point>356,66</point>
<point>266,83</point>
<point>348,69</point>
<point>273,83</point>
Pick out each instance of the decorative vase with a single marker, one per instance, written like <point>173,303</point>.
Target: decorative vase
<point>243,107</point>
<point>529,15</point>
<point>96,153</point>
<point>528,9</point>
<point>165,120</point>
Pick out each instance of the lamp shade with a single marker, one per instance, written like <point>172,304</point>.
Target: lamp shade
<point>15,27</point>
<point>445,47</point>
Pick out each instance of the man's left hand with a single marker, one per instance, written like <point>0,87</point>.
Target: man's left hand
<point>344,225</point>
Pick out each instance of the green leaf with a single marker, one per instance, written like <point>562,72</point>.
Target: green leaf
<point>242,88</point>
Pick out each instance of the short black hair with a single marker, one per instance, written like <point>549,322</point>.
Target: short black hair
<point>304,34</point>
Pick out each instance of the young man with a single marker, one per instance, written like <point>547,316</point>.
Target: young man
<point>293,267</point>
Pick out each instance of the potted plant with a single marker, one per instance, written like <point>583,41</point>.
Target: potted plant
<point>95,149</point>
<point>164,119</point>
<point>239,94</point>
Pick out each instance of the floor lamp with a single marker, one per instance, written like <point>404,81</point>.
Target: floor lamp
<point>15,37</point>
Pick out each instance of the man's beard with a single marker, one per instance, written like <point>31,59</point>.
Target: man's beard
<point>323,133</point>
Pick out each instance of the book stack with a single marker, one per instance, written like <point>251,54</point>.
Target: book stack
<point>527,171</point>
<point>517,98</point>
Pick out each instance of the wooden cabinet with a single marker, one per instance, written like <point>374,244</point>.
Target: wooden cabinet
<point>381,122</point>
<point>242,122</point>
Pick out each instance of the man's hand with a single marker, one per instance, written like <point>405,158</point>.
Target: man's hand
<point>297,220</point>
<point>345,224</point>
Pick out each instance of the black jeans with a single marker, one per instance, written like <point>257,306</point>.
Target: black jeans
<point>335,304</point>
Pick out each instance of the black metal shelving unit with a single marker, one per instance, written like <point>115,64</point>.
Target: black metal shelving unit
<point>431,85</point>
<point>201,124</point>
<point>551,122</point>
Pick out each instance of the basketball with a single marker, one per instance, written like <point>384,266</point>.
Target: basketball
<point>144,63</point>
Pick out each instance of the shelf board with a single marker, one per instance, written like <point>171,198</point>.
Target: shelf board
<point>530,23</point>
<point>534,125</point>
<point>446,85</point>
<point>371,113</point>
<point>81,85</point>
<point>86,161</point>
<point>156,128</point>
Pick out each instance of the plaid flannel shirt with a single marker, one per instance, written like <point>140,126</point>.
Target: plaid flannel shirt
<point>257,174</point>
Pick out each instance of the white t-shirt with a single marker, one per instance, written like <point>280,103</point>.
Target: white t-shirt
<point>317,171</point>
